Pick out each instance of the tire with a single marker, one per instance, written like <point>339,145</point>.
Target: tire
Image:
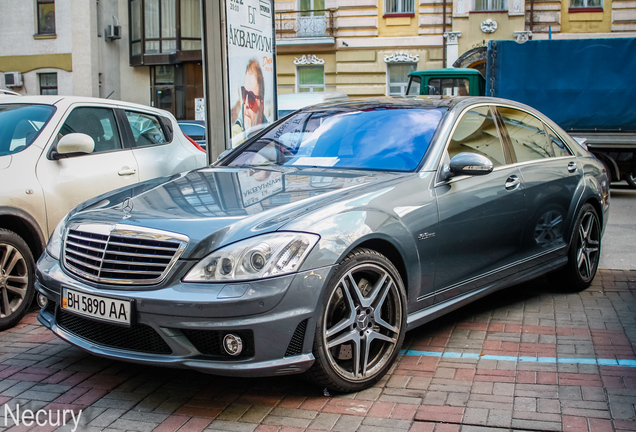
<point>584,253</point>
<point>361,324</point>
<point>631,180</point>
<point>17,270</point>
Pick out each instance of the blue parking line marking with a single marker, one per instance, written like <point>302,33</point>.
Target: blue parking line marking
<point>528,359</point>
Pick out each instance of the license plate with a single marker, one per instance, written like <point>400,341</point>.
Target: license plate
<point>101,308</point>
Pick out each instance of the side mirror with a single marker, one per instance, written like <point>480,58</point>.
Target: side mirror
<point>468,164</point>
<point>75,143</point>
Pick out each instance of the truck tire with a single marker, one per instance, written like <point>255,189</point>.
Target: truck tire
<point>631,180</point>
<point>17,274</point>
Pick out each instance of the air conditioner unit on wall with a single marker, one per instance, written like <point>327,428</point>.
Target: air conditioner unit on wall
<point>113,32</point>
<point>13,79</point>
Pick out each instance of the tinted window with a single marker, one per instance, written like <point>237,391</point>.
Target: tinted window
<point>98,123</point>
<point>476,132</point>
<point>193,131</point>
<point>378,138</point>
<point>558,146</point>
<point>527,135</point>
<point>20,124</point>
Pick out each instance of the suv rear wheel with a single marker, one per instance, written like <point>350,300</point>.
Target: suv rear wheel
<point>17,270</point>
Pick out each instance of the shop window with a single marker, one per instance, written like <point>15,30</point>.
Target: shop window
<point>310,79</point>
<point>398,77</point>
<point>46,17</point>
<point>48,83</point>
<point>399,7</point>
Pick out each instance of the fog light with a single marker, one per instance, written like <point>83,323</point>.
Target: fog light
<point>232,344</point>
<point>42,301</point>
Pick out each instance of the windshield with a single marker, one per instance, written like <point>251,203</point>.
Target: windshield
<point>379,138</point>
<point>20,125</point>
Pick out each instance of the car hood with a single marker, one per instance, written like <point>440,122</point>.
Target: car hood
<point>215,206</point>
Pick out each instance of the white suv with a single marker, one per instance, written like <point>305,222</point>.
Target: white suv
<point>56,152</point>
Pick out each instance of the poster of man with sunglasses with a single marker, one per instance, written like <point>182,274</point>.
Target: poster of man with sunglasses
<point>252,80</point>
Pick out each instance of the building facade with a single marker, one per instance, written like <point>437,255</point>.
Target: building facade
<point>368,47</point>
<point>143,51</point>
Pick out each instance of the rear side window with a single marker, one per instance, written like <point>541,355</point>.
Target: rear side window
<point>98,123</point>
<point>20,124</point>
<point>146,129</point>
<point>477,133</point>
<point>528,136</point>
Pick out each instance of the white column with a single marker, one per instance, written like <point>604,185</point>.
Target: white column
<point>452,47</point>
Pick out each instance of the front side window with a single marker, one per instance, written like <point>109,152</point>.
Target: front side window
<point>20,125</point>
<point>527,135</point>
<point>477,133</point>
<point>311,79</point>
<point>491,5</point>
<point>48,83</point>
<point>414,86</point>
<point>46,17</point>
<point>398,77</point>
<point>146,129</point>
<point>586,3</point>
<point>372,138</point>
<point>98,123</point>
<point>399,7</point>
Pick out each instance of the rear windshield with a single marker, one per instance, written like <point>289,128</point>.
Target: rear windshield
<point>20,124</point>
<point>381,138</point>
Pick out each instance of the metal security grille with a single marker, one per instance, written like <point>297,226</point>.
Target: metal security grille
<point>123,256</point>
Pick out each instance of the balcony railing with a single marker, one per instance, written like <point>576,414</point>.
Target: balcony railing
<point>305,24</point>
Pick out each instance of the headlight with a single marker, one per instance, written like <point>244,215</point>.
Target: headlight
<point>55,242</point>
<point>259,257</point>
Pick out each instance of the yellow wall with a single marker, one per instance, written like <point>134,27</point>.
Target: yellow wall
<point>397,26</point>
<point>26,63</point>
<point>586,22</point>
<point>472,34</point>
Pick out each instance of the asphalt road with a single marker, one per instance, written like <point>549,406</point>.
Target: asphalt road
<point>618,250</point>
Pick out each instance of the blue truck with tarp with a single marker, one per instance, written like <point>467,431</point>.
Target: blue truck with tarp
<point>587,86</point>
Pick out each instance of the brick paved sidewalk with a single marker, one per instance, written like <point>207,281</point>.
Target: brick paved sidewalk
<point>524,359</point>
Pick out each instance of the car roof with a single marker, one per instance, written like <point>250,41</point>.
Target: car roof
<point>450,72</point>
<point>425,102</point>
<point>65,101</point>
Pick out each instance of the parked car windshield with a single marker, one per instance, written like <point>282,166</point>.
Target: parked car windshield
<point>378,138</point>
<point>20,124</point>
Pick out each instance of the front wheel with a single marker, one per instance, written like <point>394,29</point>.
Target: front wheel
<point>584,253</point>
<point>17,269</point>
<point>361,325</point>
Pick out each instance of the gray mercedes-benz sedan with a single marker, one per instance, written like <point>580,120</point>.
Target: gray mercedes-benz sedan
<point>315,245</point>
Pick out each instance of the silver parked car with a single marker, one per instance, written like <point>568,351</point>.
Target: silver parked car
<point>315,245</point>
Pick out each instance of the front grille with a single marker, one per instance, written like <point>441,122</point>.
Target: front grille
<point>296,344</point>
<point>210,342</point>
<point>122,256</point>
<point>140,337</point>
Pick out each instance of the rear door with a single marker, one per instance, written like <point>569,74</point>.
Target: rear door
<point>480,217</point>
<point>551,175</point>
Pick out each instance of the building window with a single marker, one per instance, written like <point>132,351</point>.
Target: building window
<point>596,4</point>
<point>48,83</point>
<point>399,7</point>
<point>491,5</point>
<point>311,79</point>
<point>398,77</point>
<point>46,17</point>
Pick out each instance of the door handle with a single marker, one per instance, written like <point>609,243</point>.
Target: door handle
<point>512,182</point>
<point>572,167</point>
<point>126,171</point>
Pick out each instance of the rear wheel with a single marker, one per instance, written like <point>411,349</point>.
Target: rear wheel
<point>361,325</point>
<point>17,269</point>
<point>584,253</point>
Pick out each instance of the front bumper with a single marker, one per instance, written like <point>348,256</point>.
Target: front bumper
<point>181,325</point>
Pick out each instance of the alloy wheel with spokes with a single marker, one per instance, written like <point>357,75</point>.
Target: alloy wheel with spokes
<point>588,246</point>
<point>16,278</point>
<point>362,324</point>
